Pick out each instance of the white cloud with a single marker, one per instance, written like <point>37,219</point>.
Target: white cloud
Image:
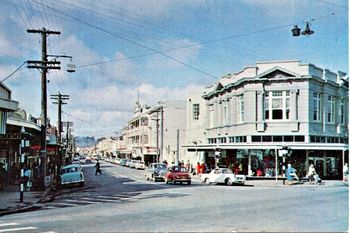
<point>110,108</point>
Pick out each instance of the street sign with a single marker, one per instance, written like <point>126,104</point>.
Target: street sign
<point>14,136</point>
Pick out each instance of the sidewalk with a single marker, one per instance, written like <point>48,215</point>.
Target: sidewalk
<point>10,203</point>
<point>279,183</point>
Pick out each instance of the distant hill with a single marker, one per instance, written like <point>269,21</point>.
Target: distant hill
<point>82,141</point>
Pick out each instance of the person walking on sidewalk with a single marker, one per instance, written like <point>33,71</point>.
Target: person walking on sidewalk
<point>98,168</point>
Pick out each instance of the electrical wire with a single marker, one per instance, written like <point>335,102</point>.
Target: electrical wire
<point>130,41</point>
<point>13,72</point>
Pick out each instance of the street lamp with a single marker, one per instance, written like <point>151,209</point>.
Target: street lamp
<point>307,32</point>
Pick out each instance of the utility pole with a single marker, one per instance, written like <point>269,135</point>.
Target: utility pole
<point>161,133</point>
<point>44,65</point>
<point>157,133</point>
<point>59,101</point>
<point>67,124</point>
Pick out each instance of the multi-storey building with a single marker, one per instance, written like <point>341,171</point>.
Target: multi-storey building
<point>251,115</point>
<point>152,132</point>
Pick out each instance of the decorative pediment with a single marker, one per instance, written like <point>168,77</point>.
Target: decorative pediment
<point>277,73</point>
<point>219,87</point>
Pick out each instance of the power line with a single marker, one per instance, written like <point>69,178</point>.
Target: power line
<point>13,72</point>
<point>206,42</point>
<point>128,40</point>
<point>334,4</point>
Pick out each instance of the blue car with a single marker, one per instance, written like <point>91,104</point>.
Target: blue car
<point>72,174</point>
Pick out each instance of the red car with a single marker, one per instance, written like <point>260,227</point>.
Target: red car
<point>177,174</point>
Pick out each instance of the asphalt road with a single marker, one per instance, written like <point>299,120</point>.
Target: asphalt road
<point>121,200</point>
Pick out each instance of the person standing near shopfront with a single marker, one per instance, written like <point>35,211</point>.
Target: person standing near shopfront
<point>198,168</point>
<point>290,174</point>
<point>345,172</point>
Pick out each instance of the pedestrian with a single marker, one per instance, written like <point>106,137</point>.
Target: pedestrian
<point>345,172</point>
<point>198,168</point>
<point>311,175</point>
<point>290,174</point>
<point>203,168</point>
<point>27,179</point>
<point>98,168</point>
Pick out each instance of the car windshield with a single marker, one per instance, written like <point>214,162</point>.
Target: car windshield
<point>179,169</point>
<point>160,166</point>
<point>226,171</point>
<point>71,169</point>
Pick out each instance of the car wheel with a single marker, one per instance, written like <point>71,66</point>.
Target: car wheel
<point>207,181</point>
<point>189,182</point>
<point>228,181</point>
<point>81,184</point>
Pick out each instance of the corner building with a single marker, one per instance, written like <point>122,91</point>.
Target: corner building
<point>252,114</point>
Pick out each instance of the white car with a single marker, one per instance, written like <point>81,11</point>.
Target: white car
<point>223,176</point>
<point>140,165</point>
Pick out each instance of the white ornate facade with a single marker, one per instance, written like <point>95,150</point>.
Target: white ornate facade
<point>252,114</point>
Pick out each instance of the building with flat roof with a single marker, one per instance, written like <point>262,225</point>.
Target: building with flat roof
<point>254,113</point>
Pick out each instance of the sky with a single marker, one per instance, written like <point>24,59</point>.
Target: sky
<point>158,50</point>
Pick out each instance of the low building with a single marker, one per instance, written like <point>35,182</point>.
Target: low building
<point>252,114</point>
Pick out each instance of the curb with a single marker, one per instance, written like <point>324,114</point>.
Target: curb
<point>27,207</point>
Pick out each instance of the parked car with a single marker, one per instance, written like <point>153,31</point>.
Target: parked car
<point>177,174</point>
<point>133,163</point>
<point>127,163</point>
<point>72,174</point>
<point>156,171</point>
<point>223,176</point>
<point>88,159</point>
<point>140,165</point>
<point>122,162</point>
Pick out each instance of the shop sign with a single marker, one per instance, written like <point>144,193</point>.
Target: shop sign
<point>8,136</point>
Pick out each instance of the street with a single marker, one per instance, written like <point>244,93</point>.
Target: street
<point>121,200</point>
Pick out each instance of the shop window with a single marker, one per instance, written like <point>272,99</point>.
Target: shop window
<point>256,138</point>
<point>277,138</point>
<point>267,139</point>
<point>299,138</point>
<point>288,138</point>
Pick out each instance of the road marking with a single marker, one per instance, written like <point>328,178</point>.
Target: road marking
<point>18,229</point>
<point>111,197</point>
<point>80,201</point>
<point>62,203</point>
<point>98,200</point>
<point>8,224</point>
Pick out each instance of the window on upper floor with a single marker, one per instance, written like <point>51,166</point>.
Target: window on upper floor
<point>277,105</point>
<point>317,106</point>
<point>145,139</point>
<point>342,111</point>
<point>144,121</point>
<point>224,113</point>
<point>240,108</point>
<point>330,110</point>
<point>195,111</point>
